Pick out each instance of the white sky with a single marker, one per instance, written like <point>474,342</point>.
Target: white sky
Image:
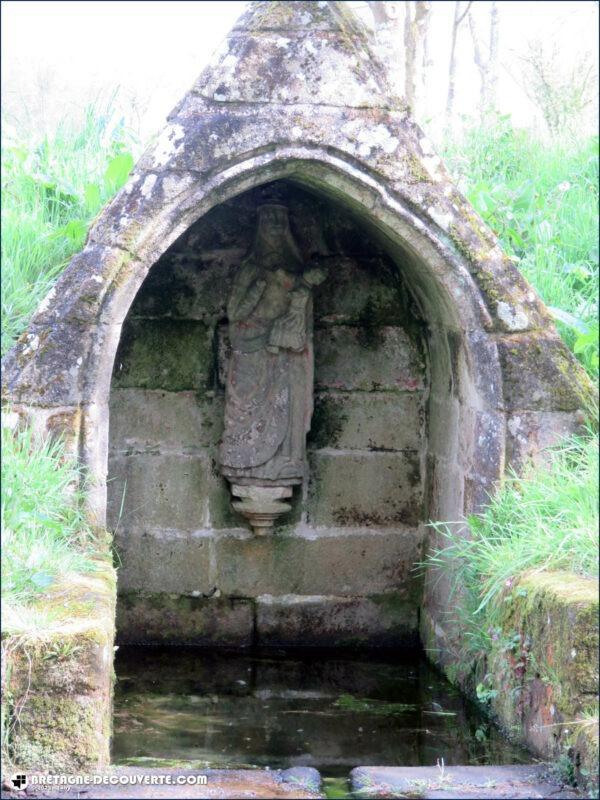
<point>58,55</point>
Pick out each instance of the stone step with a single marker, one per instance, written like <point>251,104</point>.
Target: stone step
<point>515,781</point>
<point>289,784</point>
<point>459,783</point>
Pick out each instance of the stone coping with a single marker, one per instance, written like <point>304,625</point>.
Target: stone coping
<point>230,784</point>
<point>514,781</point>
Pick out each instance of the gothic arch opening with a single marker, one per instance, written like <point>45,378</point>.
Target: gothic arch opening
<point>395,411</point>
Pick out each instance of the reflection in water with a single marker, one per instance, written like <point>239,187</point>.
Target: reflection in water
<point>333,712</point>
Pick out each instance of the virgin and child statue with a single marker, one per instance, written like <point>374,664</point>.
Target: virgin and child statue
<point>269,389</point>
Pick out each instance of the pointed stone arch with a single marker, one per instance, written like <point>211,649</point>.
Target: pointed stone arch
<point>87,327</point>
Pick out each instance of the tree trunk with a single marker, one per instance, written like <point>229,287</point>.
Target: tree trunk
<point>422,19</point>
<point>458,18</point>
<point>410,54</point>
<point>488,67</point>
<point>386,18</point>
<point>380,15</point>
<point>493,64</point>
<point>407,67</point>
<point>416,25</point>
<point>426,62</point>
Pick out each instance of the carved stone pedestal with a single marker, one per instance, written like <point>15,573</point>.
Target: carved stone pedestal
<point>261,505</point>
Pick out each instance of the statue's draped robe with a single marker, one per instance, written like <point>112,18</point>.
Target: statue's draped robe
<point>268,402</point>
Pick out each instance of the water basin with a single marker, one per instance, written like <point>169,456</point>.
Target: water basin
<point>191,707</point>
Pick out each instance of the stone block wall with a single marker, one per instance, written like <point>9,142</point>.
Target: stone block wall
<point>542,672</point>
<point>339,569</point>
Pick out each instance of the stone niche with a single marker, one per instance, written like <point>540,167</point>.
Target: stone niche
<point>339,567</point>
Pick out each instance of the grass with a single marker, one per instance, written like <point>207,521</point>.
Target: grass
<point>52,187</point>
<point>541,199</point>
<point>45,534</point>
<point>546,519</point>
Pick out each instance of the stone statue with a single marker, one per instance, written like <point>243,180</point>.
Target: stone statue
<point>269,391</point>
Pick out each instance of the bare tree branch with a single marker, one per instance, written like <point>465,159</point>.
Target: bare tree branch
<point>458,18</point>
<point>561,97</point>
<point>488,67</point>
<point>464,14</point>
<point>494,51</point>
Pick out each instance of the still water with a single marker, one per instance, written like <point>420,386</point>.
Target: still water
<point>197,708</point>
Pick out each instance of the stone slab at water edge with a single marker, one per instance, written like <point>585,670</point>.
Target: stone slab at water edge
<point>290,784</point>
<point>459,783</point>
<point>525,783</point>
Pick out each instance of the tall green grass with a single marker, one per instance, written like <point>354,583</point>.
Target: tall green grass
<point>44,532</point>
<point>544,520</point>
<point>541,199</point>
<point>52,187</point>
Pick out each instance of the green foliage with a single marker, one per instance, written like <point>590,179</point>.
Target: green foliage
<point>61,650</point>
<point>44,533</point>
<point>370,706</point>
<point>52,188</point>
<point>545,520</point>
<point>336,788</point>
<point>484,691</point>
<point>541,199</point>
<point>564,769</point>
